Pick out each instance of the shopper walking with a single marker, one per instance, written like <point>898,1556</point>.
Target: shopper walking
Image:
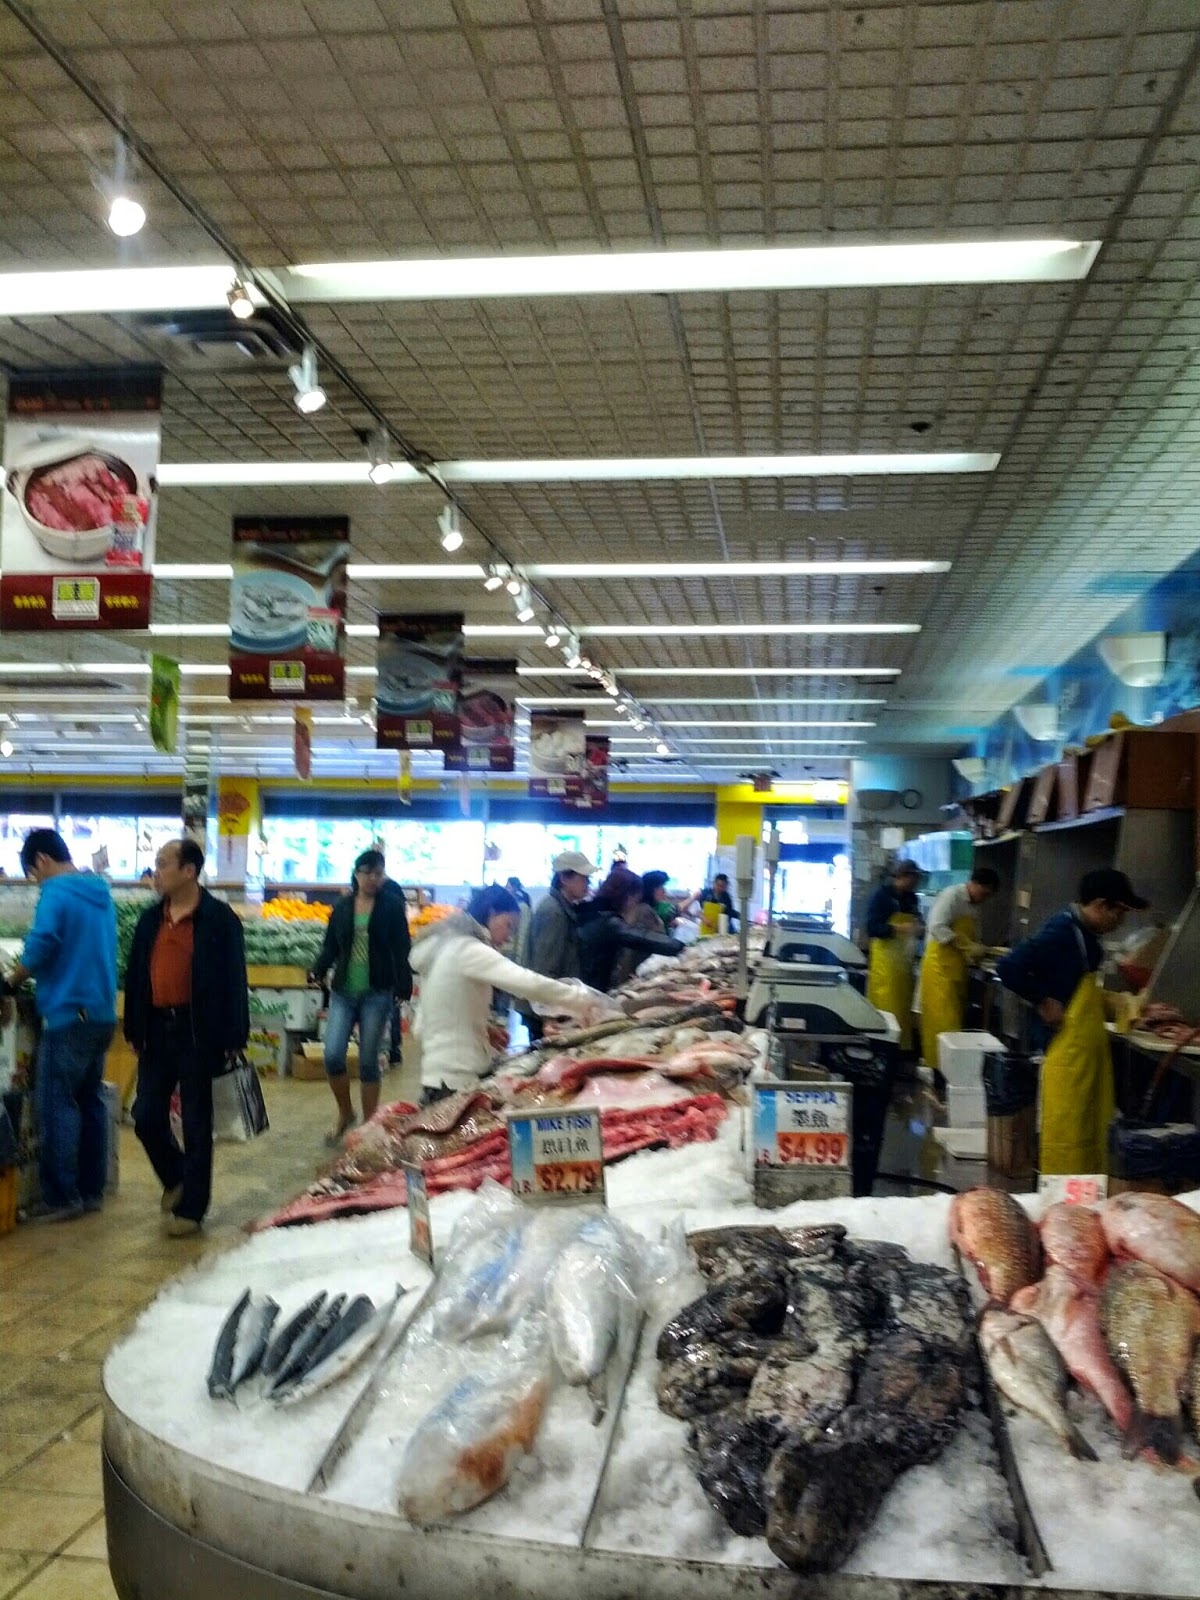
<point>459,964</point>
<point>71,953</point>
<point>186,1014</point>
<point>609,933</point>
<point>366,953</point>
<point>554,931</point>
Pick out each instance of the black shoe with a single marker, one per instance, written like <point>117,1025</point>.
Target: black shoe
<point>94,1205</point>
<point>41,1212</point>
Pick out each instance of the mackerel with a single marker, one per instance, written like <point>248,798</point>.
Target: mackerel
<point>291,1331</point>
<point>220,1371</point>
<point>301,1353</point>
<point>350,1349</point>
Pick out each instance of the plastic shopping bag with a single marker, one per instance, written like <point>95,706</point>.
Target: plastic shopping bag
<point>239,1110</point>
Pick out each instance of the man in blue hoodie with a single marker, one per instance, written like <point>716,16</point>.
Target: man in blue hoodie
<point>71,954</point>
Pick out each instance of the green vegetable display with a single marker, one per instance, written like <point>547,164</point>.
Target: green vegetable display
<point>282,944</point>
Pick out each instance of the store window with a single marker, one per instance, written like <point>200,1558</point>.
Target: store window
<point>13,828</point>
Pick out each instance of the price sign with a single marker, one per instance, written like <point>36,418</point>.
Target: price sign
<point>1075,1188</point>
<point>287,677</point>
<point>802,1141</point>
<point>556,1156</point>
<point>76,600</point>
<point>420,1229</point>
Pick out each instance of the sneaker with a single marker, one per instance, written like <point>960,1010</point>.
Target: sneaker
<point>41,1212</point>
<point>182,1227</point>
<point>94,1205</point>
<point>171,1198</point>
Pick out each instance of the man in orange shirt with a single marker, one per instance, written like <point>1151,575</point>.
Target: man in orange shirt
<point>186,1013</point>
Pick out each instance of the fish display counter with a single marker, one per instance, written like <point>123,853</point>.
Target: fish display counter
<point>678,1394</point>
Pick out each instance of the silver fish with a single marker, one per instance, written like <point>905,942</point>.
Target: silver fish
<point>348,1322</point>
<point>283,1341</point>
<point>350,1349</point>
<point>585,1296</point>
<point>220,1370</point>
<point>1027,1369</point>
<point>301,1353</point>
<point>253,1336</point>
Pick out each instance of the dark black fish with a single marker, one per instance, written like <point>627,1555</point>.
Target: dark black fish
<point>820,1497</point>
<point>732,1453</point>
<point>710,1373</point>
<point>751,1303</point>
<point>220,1370</point>
<point>286,1337</point>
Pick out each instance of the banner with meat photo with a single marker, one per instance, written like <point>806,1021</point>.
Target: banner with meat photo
<point>287,608</point>
<point>487,715</point>
<point>595,772</point>
<point>80,499</point>
<point>420,673</point>
<point>557,752</point>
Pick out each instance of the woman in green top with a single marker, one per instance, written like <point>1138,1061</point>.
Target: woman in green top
<point>366,953</point>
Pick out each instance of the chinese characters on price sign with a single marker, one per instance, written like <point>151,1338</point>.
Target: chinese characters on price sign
<point>556,1156</point>
<point>420,1229</point>
<point>802,1141</point>
<point>1076,1189</point>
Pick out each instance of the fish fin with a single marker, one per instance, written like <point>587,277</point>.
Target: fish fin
<point>1077,1444</point>
<point>597,1389</point>
<point>1162,1435</point>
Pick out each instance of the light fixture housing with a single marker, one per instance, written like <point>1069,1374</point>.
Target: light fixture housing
<point>513,583</point>
<point>1138,660</point>
<point>381,470</point>
<point>126,216</point>
<point>497,572</point>
<point>239,299</point>
<point>450,528</point>
<point>663,748</point>
<point>6,748</point>
<point>524,604</point>
<point>553,638</point>
<point>309,395</point>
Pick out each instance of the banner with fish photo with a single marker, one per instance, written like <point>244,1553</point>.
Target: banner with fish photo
<point>487,715</point>
<point>557,753</point>
<point>420,672</point>
<point>287,608</point>
<point>595,772</point>
<point>80,499</point>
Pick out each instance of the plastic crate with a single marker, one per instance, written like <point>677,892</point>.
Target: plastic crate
<point>966,1108</point>
<point>960,1057</point>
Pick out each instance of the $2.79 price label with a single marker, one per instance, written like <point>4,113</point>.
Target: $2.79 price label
<point>802,1126</point>
<point>556,1155</point>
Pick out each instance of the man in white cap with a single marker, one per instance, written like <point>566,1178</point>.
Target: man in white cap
<point>554,933</point>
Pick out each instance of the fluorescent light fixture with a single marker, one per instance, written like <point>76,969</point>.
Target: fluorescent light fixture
<point>698,727</point>
<point>756,630</point>
<point>238,299</point>
<point>126,216</point>
<point>720,672</point>
<point>769,739</point>
<point>692,271</point>
<point>709,700</point>
<point>450,529</point>
<point>113,289</point>
<point>596,469</point>
<point>633,570</point>
<point>306,381</point>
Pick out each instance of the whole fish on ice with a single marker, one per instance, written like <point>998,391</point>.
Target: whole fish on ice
<point>1027,1369</point>
<point>299,1357</point>
<point>356,1332</point>
<point>1150,1325</point>
<point>241,1344</point>
<point>1158,1230</point>
<point>587,1293</point>
<point>1073,1239</point>
<point>1071,1316</point>
<point>281,1345</point>
<point>996,1236</point>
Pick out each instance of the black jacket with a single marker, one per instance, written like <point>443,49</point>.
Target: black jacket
<point>220,1000</point>
<point>887,902</point>
<point>603,937</point>
<point>388,944</point>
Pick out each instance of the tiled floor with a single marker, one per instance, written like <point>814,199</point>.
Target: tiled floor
<point>66,1293</point>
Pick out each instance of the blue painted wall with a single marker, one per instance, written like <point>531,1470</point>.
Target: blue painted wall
<point>1085,693</point>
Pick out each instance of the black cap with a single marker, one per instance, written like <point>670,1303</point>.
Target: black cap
<point>1106,883</point>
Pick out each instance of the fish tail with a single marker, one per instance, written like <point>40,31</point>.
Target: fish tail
<point>1162,1435</point>
<point>1076,1443</point>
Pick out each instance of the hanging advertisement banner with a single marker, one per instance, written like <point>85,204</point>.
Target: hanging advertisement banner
<point>487,715</point>
<point>80,499</point>
<point>302,725</point>
<point>164,704</point>
<point>556,753</point>
<point>287,608</point>
<point>595,772</point>
<point>416,690</point>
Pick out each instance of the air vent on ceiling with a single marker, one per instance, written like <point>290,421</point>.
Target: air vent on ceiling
<point>216,338</point>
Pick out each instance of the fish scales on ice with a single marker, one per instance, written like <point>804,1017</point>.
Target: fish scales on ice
<point>1073,1239</point>
<point>1156,1229</point>
<point>1071,1317</point>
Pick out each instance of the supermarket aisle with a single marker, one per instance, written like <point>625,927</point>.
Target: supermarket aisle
<point>69,1290</point>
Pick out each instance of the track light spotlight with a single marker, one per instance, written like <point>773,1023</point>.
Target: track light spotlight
<point>310,396</point>
<point>381,470</point>
<point>497,571</point>
<point>239,299</point>
<point>450,528</point>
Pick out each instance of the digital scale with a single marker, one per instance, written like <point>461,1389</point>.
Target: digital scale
<point>811,941</point>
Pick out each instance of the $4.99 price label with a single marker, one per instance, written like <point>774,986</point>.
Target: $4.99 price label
<point>802,1127</point>
<point>556,1156</point>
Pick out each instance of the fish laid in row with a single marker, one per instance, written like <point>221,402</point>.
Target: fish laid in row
<point>313,1349</point>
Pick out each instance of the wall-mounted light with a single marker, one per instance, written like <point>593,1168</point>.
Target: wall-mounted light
<point>1139,660</point>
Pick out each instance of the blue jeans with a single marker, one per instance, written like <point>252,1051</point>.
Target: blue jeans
<point>71,1114</point>
<point>372,1012</point>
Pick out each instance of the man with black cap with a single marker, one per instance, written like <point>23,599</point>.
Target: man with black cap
<point>1055,971</point>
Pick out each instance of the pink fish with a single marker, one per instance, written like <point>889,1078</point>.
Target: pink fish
<point>1155,1229</point>
<point>1071,1316</point>
<point>1073,1238</point>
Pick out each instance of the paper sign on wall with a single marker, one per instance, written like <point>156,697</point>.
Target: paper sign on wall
<point>80,500</point>
<point>420,673</point>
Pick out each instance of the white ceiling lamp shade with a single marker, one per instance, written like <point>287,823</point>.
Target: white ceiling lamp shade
<point>971,768</point>
<point>126,216</point>
<point>1138,660</point>
<point>380,470</point>
<point>1039,722</point>
<point>450,528</point>
<point>693,271</point>
<point>496,576</point>
<point>553,637</point>
<point>310,396</point>
<point>523,603</point>
<point>238,299</point>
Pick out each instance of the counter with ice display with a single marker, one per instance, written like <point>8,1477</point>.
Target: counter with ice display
<point>367,1485</point>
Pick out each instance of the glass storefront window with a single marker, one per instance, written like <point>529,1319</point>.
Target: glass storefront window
<point>13,828</point>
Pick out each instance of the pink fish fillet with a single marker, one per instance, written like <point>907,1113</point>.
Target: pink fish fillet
<point>1155,1229</point>
<point>1073,1238</point>
<point>1071,1317</point>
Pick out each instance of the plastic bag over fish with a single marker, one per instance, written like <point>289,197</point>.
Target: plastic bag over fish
<point>599,1007</point>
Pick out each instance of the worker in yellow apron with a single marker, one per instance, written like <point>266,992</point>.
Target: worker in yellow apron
<point>1055,972</point>
<point>951,946</point>
<point>893,927</point>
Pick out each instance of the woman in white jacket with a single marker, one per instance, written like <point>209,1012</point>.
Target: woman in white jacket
<point>459,965</point>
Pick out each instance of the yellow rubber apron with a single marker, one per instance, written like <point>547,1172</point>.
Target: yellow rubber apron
<point>944,986</point>
<point>890,975</point>
<point>1077,1098</point>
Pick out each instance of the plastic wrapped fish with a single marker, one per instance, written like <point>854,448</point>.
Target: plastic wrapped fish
<point>587,1297</point>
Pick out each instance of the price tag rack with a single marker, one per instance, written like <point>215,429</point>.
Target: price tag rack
<point>802,1141</point>
<point>557,1156</point>
<point>1075,1188</point>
